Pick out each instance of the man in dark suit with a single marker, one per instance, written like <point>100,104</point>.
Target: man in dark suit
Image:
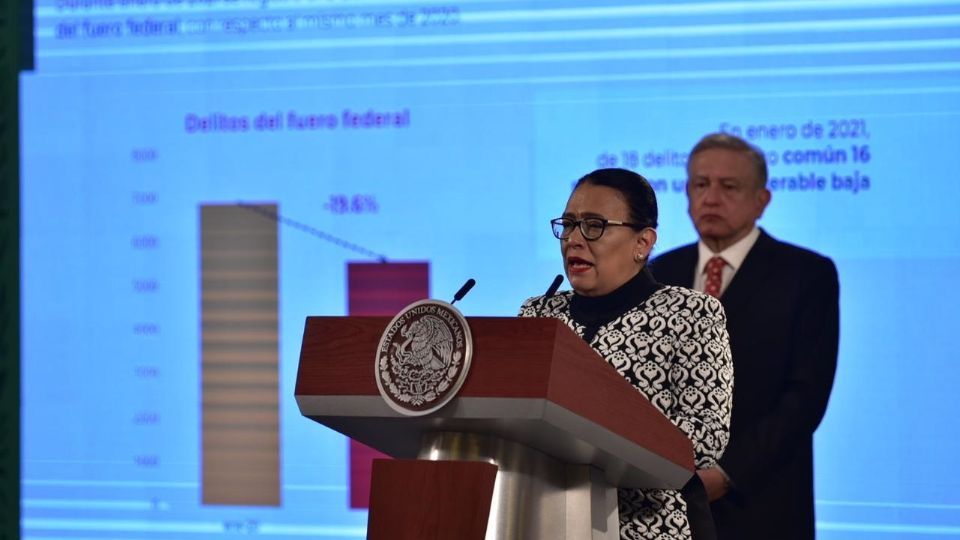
<point>782,305</point>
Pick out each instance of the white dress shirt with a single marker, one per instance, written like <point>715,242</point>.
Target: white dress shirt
<point>733,255</point>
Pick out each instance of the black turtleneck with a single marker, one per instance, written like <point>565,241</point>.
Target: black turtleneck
<point>592,312</point>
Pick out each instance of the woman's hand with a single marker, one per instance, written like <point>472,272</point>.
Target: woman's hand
<point>716,483</point>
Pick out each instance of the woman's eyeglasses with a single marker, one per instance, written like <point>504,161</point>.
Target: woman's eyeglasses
<point>590,228</point>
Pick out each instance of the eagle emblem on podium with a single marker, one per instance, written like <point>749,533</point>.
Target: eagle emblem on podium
<point>423,357</point>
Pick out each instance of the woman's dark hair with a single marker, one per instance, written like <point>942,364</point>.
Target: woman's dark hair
<point>639,194</point>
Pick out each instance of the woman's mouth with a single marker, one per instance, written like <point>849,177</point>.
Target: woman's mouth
<point>576,265</point>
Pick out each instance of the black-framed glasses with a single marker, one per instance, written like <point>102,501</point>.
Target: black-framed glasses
<point>591,228</point>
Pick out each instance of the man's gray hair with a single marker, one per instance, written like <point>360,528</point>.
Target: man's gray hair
<point>727,141</point>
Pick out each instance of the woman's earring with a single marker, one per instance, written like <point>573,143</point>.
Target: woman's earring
<point>639,257</point>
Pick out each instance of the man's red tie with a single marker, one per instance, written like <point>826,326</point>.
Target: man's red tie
<point>714,276</point>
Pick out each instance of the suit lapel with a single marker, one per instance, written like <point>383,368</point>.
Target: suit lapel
<point>681,270</point>
<point>753,272</point>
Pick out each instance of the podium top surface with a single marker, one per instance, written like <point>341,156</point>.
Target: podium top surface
<point>532,380</point>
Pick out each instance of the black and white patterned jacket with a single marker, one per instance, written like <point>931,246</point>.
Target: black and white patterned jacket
<point>673,347</point>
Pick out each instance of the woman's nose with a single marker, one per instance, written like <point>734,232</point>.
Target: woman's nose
<point>575,237</point>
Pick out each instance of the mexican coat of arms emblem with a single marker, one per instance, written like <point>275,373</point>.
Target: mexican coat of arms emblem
<point>423,357</point>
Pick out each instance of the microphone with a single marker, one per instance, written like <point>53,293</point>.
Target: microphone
<point>463,290</point>
<point>551,290</point>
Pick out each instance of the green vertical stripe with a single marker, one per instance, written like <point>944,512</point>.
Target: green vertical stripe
<point>11,55</point>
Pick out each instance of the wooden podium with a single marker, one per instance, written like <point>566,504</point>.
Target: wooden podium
<point>534,446</point>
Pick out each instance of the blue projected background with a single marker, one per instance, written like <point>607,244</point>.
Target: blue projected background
<point>451,132</point>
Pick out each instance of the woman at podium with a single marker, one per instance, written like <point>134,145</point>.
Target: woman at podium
<point>669,342</point>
